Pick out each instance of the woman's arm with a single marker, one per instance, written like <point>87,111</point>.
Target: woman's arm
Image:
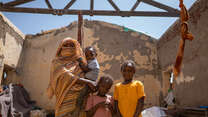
<point>92,110</point>
<point>86,81</point>
<point>117,111</point>
<point>139,107</point>
<point>90,83</point>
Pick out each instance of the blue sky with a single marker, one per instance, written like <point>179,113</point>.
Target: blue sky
<point>153,26</point>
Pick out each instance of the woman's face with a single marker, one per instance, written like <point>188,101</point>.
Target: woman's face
<point>68,44</point>
<point>68,49</point>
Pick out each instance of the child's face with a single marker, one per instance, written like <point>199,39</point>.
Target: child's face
<point>103,88</point>
<point>90,54</point>
<point>128,72</point>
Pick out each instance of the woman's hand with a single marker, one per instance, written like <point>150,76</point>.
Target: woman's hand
<point>92,86</point>
<point>80,60</point>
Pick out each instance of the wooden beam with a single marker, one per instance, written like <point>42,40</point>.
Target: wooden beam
<point>88,12</point>
<point>48,4</point>
<point>17,2</point>
<point>135,5</point>
<point>113,5</point>
<point>79,33</point>
<point>69,4</point>
<point>161,6</point>
<point>91,7</point>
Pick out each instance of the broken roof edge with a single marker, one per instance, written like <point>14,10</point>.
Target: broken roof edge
<point>18,31</point>
<point>30,36</point>
<point>124,27</point>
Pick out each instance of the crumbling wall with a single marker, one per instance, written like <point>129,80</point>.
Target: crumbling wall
<point>113,45</point>
<point>191,85</point>
<point>11,42</point>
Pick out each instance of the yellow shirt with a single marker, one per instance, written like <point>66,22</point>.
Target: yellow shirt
<point>127,96</point>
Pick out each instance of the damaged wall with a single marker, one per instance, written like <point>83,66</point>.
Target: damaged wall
<point>114,46</point>
<point>191,86</point>
<point>11,42</point>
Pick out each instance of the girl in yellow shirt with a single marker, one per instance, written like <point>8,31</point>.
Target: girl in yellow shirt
<point>129,95</point>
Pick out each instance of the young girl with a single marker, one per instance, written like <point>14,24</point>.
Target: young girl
<point>129,95</point>
<point>101,105</point>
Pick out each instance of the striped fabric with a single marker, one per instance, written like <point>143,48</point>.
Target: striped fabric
<point>64,72</point>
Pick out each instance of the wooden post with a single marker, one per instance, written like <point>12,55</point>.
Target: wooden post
<point>80,22</point>
<point>91,7</point>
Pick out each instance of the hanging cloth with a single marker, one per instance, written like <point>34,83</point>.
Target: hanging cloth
<point>185,35</point>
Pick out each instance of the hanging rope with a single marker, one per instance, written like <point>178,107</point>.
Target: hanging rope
<point>185,35</point>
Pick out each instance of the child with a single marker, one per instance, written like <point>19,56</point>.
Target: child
<point>93,68</point>
<point>129,95</point>
<point>91,73</point>
<point>101,105</point>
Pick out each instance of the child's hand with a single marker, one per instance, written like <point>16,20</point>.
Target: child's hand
<point>109,106</point>
<point>105,105</point>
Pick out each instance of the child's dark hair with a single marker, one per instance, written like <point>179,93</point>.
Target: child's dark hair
<point>107,79</point>
<point>128,63</point>
<point>91,49</point>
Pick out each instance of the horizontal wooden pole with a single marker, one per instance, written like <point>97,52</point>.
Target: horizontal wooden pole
<point>17,2</point>
<point>89,12</point>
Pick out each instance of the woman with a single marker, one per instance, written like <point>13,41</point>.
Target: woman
<point>65,82</point>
